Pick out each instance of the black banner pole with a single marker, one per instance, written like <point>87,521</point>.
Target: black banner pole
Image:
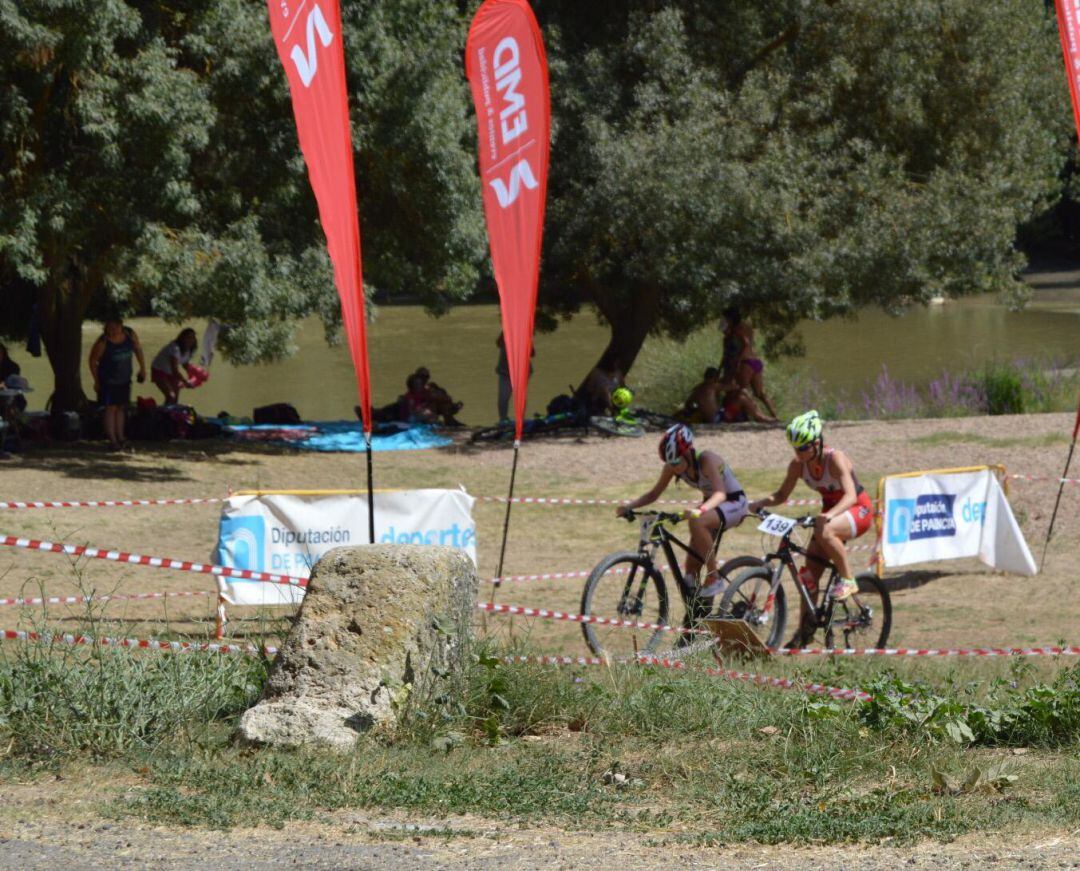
<point>1057,503</point>
<point>506,521</point>
<point>370,491</point>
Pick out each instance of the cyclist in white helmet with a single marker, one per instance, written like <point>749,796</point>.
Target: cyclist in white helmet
<point>724,504</point>
<point>847,510</point>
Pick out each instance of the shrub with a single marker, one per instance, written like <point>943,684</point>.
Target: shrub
<point>1004,389</point>
<point>101,702</point>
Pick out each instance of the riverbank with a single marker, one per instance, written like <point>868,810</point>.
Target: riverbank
<point>459,349</point>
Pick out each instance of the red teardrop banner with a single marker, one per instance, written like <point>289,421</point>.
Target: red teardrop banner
<point>307,34</point>
<point>508,74</point>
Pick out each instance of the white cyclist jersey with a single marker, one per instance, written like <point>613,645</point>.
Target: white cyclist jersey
<point>732,487</point>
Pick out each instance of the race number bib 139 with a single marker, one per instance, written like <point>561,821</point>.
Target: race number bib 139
<point>777,524</point>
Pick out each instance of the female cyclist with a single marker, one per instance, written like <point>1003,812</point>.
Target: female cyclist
<point>847,510</point>
<point>724,504</point>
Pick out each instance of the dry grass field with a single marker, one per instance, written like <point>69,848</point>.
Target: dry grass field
<point>951,604</point>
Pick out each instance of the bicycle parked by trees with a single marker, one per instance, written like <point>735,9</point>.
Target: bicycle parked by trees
<point>757,596</point>
<point>629,585</point>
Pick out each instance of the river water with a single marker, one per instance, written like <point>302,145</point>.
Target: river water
<point>460,351</point>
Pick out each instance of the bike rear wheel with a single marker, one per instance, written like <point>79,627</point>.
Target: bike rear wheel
<point>624,586</point>
<point>862,620</point>
<point>749,599</point>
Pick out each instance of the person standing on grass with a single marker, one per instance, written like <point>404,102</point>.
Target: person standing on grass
<point>502,369</point>
<point>110,367</point>
<point>847,510</point>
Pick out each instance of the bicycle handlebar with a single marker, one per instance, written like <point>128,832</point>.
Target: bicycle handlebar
<point>630,515</point>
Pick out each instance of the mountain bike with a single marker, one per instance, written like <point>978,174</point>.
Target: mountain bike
<point>629,585</point>
<point>757,596</point>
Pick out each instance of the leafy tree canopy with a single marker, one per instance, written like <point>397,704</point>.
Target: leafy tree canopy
<point>797,159</point>
<point>151,159</point>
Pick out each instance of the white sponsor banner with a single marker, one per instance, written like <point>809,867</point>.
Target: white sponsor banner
<point>288,534</point>
<point>944,516</point>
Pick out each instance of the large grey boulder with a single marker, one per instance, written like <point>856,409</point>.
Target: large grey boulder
<point>378,624</point>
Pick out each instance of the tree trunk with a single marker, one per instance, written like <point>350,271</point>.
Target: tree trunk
<point>63,307</point>
<point>631,321</point>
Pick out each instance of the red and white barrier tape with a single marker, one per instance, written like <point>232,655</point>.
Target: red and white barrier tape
<point>942,651</point>
<point>153,561</point>
<point>747,677</point>
<point>513,610</point>
<point>523,500</point>
<point>557,500</point>
<point>576,575</point>
<point>559,576</point>
<point>135,643</point>
<point>82,600</point>
<point>110,503</point>
<point>548,614</point>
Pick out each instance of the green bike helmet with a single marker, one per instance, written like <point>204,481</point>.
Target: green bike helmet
<point>804,429</point>
<point>621,397</point>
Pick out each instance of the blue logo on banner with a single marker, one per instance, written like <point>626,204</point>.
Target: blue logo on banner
<point>242,543</point>
<point>929,516</point>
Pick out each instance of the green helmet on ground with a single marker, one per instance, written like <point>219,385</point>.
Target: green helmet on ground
<point>804,429</point>
<point>621,397</point>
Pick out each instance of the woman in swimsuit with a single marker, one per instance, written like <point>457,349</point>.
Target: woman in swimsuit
<point>724,504</point>
<point>740,359</point>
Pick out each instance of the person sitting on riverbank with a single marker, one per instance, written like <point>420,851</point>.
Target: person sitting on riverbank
<point>438,400</point>
<point>737,406</point>
<point>165,371</point>
<point>702,405</point>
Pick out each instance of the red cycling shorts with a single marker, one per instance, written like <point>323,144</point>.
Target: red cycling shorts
<point>860,515</point>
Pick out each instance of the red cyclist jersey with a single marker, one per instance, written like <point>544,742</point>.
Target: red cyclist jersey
<point>829,486</point>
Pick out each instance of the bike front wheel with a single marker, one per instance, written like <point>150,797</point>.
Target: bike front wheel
<point>624,587</point>
<point>864,619</point>
<point>750,599</point>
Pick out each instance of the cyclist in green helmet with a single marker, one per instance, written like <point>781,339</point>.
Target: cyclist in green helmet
<point>847,510</point>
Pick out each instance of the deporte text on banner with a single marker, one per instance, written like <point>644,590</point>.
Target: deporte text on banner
<point>288,533</point>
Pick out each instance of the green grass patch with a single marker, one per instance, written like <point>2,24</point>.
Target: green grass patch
<point>625,747</point>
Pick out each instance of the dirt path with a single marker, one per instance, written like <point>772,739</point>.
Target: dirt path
<point>56,829</point>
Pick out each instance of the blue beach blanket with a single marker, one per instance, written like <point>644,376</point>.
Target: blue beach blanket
<point>340,436</point>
